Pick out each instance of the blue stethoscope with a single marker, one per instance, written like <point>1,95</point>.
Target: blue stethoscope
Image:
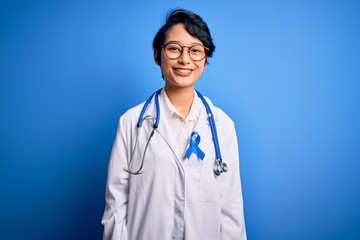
<point>219,165</point>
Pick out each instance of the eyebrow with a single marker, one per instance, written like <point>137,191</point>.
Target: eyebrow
<point>191,44</point>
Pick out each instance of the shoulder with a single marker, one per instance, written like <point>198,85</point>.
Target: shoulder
<point>220,116</point>
<point>130,117</point>
<point>133,111</point>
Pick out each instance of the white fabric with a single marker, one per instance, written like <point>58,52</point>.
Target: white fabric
<point>174,198</point>
<point>181,127</point>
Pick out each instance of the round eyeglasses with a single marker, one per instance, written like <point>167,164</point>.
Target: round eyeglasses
<point>175,50</point>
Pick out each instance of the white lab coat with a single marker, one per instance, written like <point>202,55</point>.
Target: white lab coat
<point>173,198</point>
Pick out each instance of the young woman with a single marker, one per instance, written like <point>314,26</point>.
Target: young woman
<point>166,178</point>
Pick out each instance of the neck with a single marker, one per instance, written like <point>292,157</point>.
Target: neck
<point>181,99</point>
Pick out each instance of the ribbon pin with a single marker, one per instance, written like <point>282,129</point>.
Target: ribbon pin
<point>194,148</point>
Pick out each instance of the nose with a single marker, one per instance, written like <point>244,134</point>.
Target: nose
<point>185,56</point>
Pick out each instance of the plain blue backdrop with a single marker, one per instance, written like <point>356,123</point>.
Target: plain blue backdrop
<point>287,72</point>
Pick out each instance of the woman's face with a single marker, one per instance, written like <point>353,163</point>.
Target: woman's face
<point>182,72</point>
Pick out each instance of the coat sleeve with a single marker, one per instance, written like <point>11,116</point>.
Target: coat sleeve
<point>117,188</point>
<point>232,211</point>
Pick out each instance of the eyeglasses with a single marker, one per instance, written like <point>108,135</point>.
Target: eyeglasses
<point>175,50</point>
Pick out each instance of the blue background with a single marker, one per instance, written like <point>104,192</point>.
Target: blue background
<point>287,72</point>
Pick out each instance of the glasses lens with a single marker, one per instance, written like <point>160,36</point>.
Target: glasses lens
<point>197,52</point>
<point>173,50</point>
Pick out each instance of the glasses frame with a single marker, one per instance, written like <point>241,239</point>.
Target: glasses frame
<point>182,50</point>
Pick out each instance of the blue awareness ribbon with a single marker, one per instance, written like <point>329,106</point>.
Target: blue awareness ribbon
<point>193,146</point>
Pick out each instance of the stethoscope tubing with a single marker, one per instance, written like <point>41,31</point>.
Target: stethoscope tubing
<point>157,106</point>
<point>212,126</point>
<point>219,166</point>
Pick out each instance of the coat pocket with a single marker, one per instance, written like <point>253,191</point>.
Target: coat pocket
<point>208,186</point>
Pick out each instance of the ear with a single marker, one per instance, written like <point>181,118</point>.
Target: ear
<point>155,57</point>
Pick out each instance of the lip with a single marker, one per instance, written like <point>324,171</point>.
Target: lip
<point>183,71</point>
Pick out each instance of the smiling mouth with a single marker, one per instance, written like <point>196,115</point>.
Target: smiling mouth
<point>183,70</point>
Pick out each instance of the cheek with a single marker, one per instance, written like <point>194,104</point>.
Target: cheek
<point>164,62</point>
<point>164,67</point>
<point>200,67</point>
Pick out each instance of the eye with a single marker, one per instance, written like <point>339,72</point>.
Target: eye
<point>197,50</point>
<point>173,48</point>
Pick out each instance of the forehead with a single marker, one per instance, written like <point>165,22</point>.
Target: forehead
<point>179,34</point>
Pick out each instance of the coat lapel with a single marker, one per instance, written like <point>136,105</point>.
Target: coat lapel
<point>164,129</point>
<point>202,127</point>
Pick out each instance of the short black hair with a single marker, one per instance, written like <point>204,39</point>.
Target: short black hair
<point>194,25</point>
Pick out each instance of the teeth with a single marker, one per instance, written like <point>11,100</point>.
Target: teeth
<point>183,70</point>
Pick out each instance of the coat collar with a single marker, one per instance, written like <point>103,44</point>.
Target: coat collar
<point>202,125</point>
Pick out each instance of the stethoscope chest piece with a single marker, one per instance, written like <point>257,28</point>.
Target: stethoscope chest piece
<point>219,167</point>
